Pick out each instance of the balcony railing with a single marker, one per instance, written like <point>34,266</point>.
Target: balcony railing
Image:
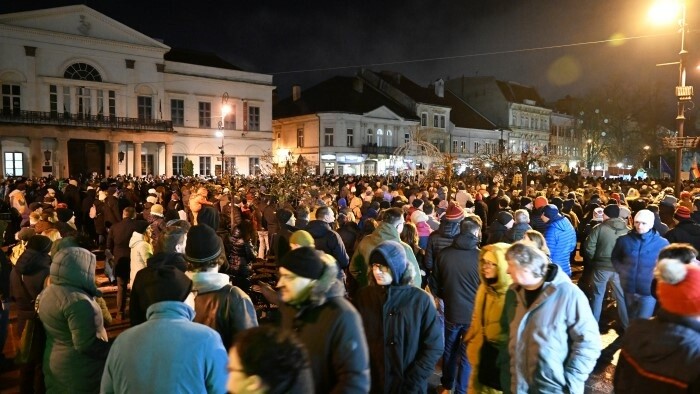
<point>378,150</point>
<point>77,120</point>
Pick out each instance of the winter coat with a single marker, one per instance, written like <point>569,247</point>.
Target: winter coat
<point>554,343</point>
<point>359,267</point>
<point>225,308</point>
<point>456,278</point>
<point>32,268</point>
<point>76,340</point>
<point>349,233</point>
<point>331,330</point>
<point>404,337</point>
<point>660,355</point>
<point>516,233</point>
<point>685,231</point>
<point>439,240</point>
<point>111,212</point>
<point>599,244</point>
<point>141,251</point>
<point>634,258</point>
<point>496,232</point>
<point>561,241</point>
<point>536,221</point>
<point>140,299</point>
<point>329,242</point>
<point>486,319</point>
<point>118,242</point>
<point>174,355</point>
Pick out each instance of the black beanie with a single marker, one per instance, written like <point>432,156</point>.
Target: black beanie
<point>64,214</point>
<point>612,210</point>
<point>417,203</point>
<point>305,262</point>
<point>140,226</point>
<point>202,244</point>
<point>166,283</point>
<point>504,217</point>
<point>525,200</point>
<point>40,243</point>
<point>283,215</point>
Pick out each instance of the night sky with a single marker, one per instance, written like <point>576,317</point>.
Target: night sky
<point>425,40</point>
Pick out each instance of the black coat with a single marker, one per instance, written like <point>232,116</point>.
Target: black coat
<point>349,233</point>
<point>329,242</point>
<point>438,240</point>
<point>118,243</point>
<point>685,231</point>
<point>32,268</point>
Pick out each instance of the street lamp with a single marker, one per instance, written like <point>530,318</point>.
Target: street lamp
<point>225,110</point>
<point>589,143</point>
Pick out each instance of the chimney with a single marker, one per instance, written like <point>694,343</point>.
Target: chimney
<point>296,92</point>
<point>358,84</point>
<point>440,88</point>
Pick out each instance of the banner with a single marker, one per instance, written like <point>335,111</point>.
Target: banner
<point>664,168</point>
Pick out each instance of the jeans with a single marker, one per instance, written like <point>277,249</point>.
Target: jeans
<point>455,366</point>
<point>639,306</point>
<point>599,285</point>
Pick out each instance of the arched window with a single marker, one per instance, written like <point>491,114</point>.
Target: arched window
<point>380,133</point>
<point>82,72</point>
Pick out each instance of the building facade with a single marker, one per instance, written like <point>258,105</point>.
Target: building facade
<point>83,94</point>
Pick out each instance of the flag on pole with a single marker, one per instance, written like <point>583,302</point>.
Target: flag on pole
<point>664,168</point>
<point>694,170</point>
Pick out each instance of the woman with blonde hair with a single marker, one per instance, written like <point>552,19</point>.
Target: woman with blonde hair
<point>536,239</point>
<point>485,328</point>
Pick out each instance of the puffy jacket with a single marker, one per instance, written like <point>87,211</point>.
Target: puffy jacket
<point>554,343</point>
<point>599,244</point>
<point>660,355</point>
<point>76,340</point>
<point>685,231</point>
<point>141,251</point>
<point>634,258</point>
<point>440,239</point>
<point>561,241</point>
<point>328,241</point>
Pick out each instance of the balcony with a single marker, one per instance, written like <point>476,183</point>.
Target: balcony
<point>75,120</point>
<point>378,150</point>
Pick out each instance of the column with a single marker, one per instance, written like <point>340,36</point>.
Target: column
<point>36,156</point>
<point>168,159</point>
<point>114,158</point>
<point>137,159</point>
<point>62,158</point>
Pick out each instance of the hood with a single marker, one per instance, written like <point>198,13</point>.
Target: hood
<point>135,238</point>
<point>449,229</point>
<point>168,258</point>
<point>170,310</point>
<point>387,232</point>
<point>467,241</point>
<point>32,261</point>
<point>205,282</point>
<point>498,250</point>
<point>616,223</point>
<point>317,228</point>
<point>75,267</point>
<point>327,285</point>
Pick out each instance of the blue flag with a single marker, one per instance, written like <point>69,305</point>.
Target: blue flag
<point>664,167</point>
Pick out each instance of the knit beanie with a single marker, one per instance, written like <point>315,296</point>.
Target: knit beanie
<point>417,203</point>
<point>202,244</point>
<point>166,283</point>
<point>140,226</point>
<point>302,238</point>
<point>392,255</point>
<point>612,211</point>
<point>157,210</point>
<point>550,211</point>
<point>454,213</point>
<point>305,262</point>
<point>283,215</point>
<point>504,217</point>
<point>558,202</point>
<point>25,233</point>
<point>682,213</point>
<point>39,243</point>
<point>419,217</point>
<point>645,215</point>
<point>678,287</point>
<point>525,200</point>
<point>64,214</point>
<point>540,201</point>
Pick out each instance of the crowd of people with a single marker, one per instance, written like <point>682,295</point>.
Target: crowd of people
<point>380,282</point>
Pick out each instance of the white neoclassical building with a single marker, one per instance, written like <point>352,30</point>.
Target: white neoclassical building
<point>83,93</point>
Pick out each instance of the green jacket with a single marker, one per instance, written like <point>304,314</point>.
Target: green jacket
<point>359,268</point>
<point>600,242</point>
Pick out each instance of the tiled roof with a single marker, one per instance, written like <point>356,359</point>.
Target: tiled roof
<point>463,115</point>
<point>517,93</point>
<point>420,94</point>
<point>338,94</point>
<point>208,59</point>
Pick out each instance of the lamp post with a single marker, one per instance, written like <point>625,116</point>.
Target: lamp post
<point>225,110</point>
<point>589,159</point>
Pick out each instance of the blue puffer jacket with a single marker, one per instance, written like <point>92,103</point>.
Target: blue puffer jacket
<point>634,258</point>
<point>561,241</point>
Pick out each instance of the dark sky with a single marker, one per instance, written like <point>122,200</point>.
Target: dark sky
<point>282,37</point>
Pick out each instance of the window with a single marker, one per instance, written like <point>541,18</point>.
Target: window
<point>476,147</point>
<point>112,104</point>
<point>254,166</point>
<point>406,138</point>
<point>229,165</point>
<point>177,112</point>
<point>440,144</point>
<point>380,133</point>
<point>53,100</point>
<point>145,107</point>
<point>436,121</point>
<point>204,165</point>
<point>83,72</point>
<point>254,118</point>
<point>424,119</point>
<point>147,165</point>
<point>300,137</point>
<point>178,165</point>
<point>454,146</point>
<point>83,102</point>
<point>328,136</point>
<point>66,101</point>
<point>350,138</point>
<point>204,115</point>
<point>514,118</point>
<point>100,104</point>
<point>230,119</point>
<point>463,146</point>
<point>389,139</point>
<point>442,121</point>
<point>10,99</point>
<point>370,137</point>
<point>14,164</point>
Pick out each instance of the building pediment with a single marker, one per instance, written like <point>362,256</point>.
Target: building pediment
<point>78,20</point>
<point>382,113</point>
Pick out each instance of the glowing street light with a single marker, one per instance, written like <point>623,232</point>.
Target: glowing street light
<point>665,11</point>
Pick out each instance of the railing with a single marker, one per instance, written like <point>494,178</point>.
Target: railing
<point>98,121</point>
<point>378,150</point>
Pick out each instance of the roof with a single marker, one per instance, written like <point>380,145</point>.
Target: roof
<point>463,115</point>
<point>420,94</point>
<point>190,56</point>
<point>517,93</point>
<point>338,94</point>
